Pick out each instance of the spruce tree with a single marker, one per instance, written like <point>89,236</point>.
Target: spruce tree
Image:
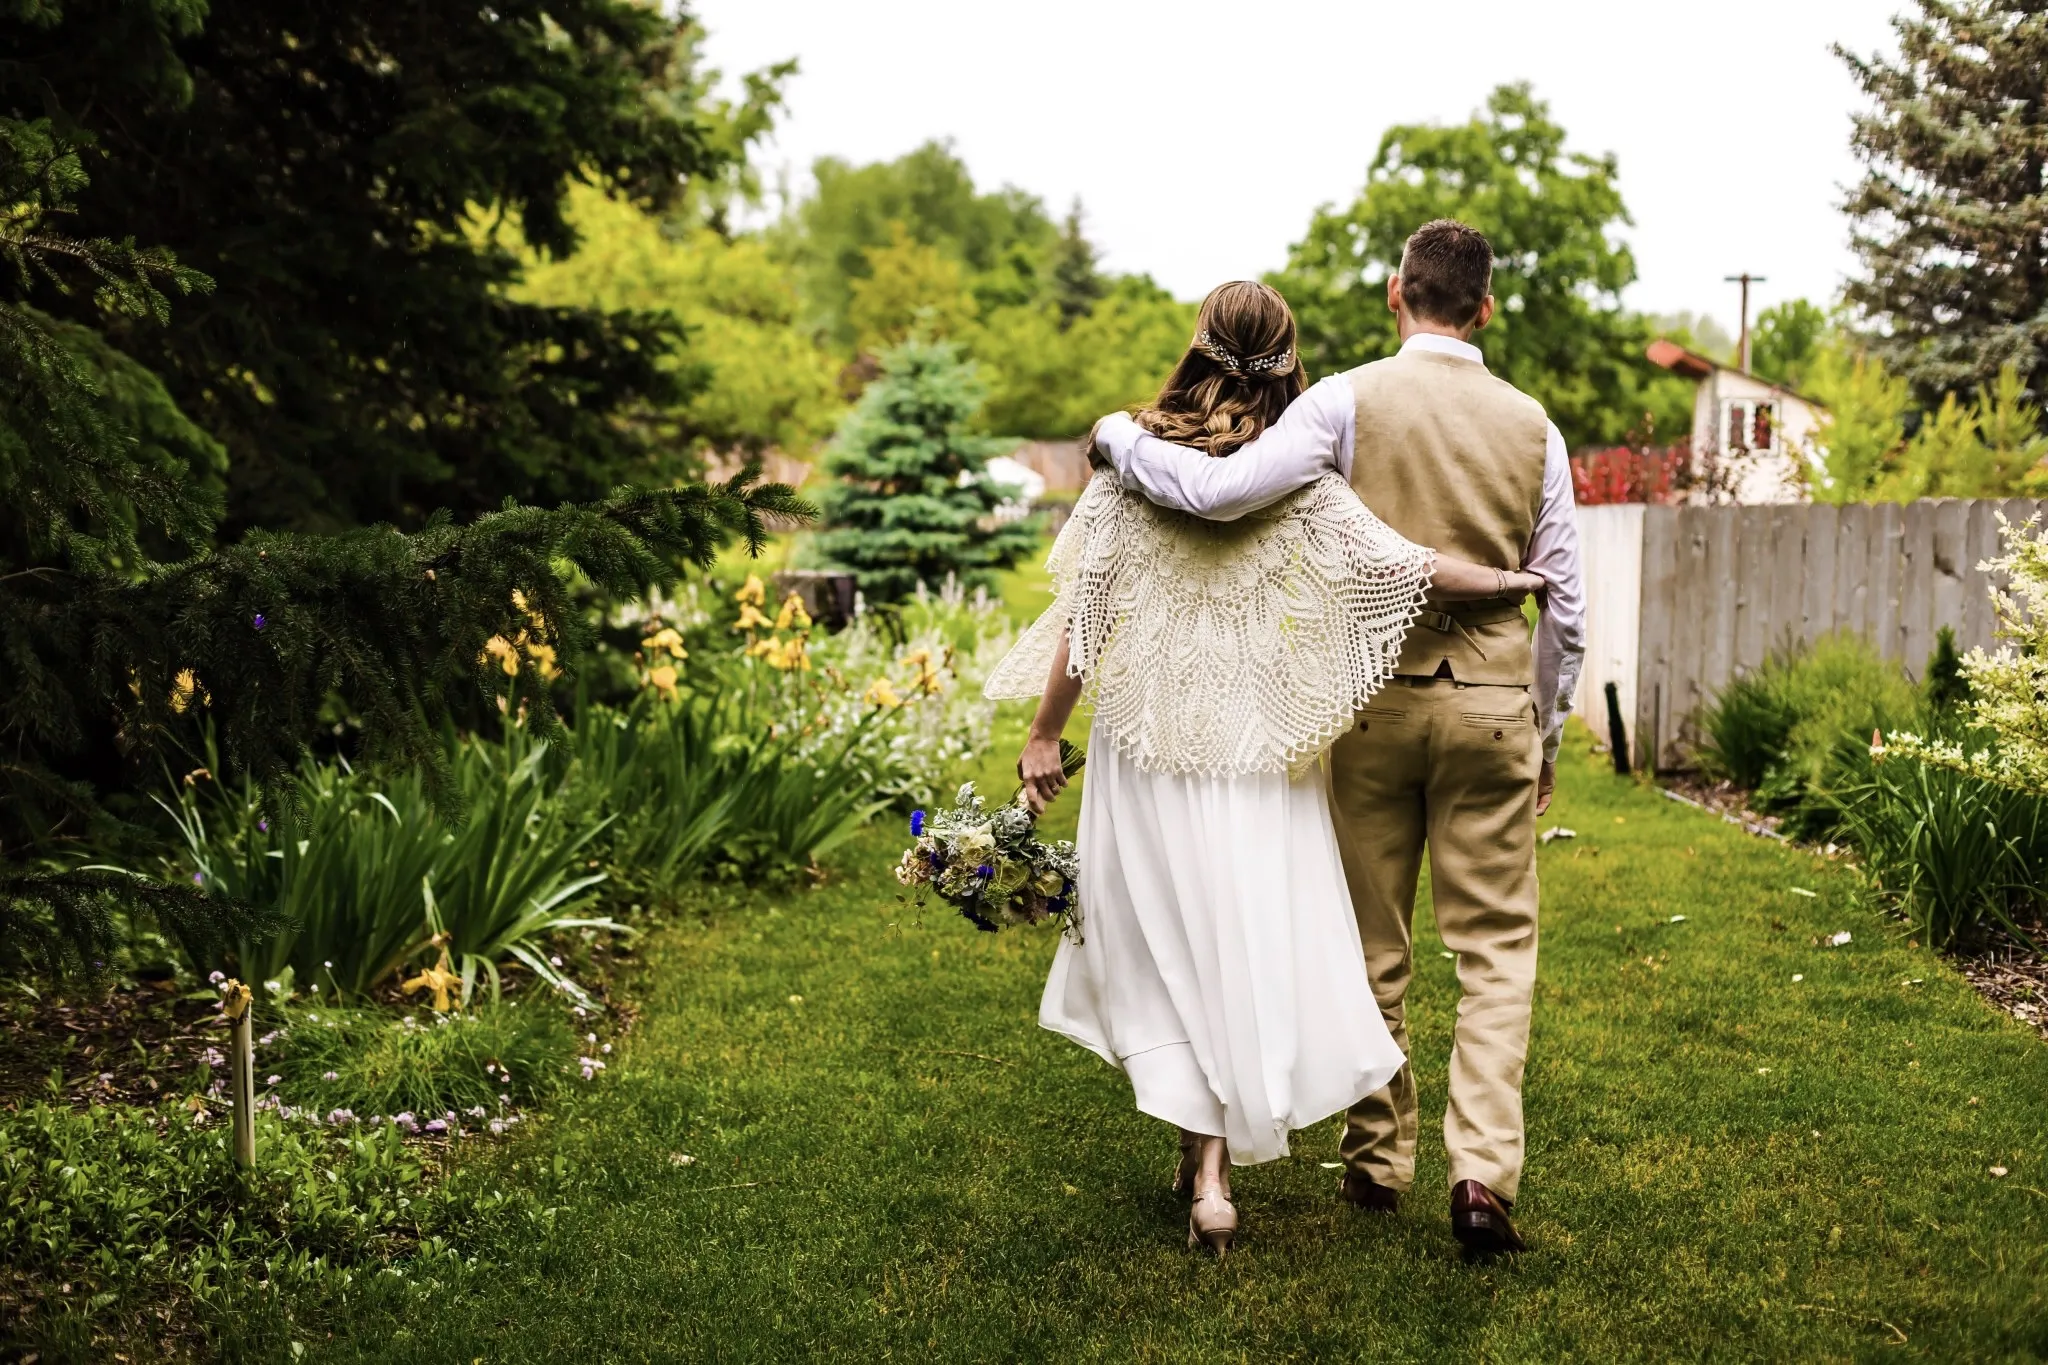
<point>1078,283</point>
<point>123,630</point>
<point>1949,216</point>
<point>910,499</point>
<point>338,170</point>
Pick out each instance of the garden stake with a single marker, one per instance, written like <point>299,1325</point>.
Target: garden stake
<point>1617,735</point>
<point>241,1069</point>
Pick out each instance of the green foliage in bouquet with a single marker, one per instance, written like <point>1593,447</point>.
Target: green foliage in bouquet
<point>989,865</point>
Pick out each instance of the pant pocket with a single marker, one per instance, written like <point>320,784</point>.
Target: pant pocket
<point>1503,727</point>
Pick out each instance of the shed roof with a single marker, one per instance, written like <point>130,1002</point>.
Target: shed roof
<point>1693,365</point>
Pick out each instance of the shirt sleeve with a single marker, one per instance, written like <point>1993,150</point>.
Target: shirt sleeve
<point>1561,629</point>
<point>1313,437</point>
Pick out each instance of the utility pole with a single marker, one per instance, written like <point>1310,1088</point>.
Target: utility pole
<point>1745,279</point>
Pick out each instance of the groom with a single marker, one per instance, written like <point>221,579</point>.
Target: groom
<point>1458,753</point>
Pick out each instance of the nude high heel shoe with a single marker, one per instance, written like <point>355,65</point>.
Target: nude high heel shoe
<point>1212,1221</point>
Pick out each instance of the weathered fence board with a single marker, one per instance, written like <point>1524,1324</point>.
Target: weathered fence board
<point>1713,591</point>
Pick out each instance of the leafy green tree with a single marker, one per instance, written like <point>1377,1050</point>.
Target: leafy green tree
<point>1560,333</point>
<point>1787,340</point>
<point>360,358</point>
<point>1001,240</point>
<point>1990,447</point>
<point>765,381</point>
<point>1983,449</point>
<point>910,499</point>
<point>1948,214</point>
<point>1863,427</point>
<point>122,629</point>
<point>1050,381</point>
<point>910,288</point>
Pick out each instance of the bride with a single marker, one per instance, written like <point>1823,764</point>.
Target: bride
<point>1219,965</point>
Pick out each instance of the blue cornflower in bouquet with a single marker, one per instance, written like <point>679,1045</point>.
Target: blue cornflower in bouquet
<point>990,865</point>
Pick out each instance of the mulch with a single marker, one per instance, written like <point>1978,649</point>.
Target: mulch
<point>135,1043</point>
<point>2010,974</point>
<point>2003,968</point>
<point>141,1041</point>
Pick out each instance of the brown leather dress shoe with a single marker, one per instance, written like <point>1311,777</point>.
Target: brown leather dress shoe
<point>1366,1193</point>
<point>1479,1220</point>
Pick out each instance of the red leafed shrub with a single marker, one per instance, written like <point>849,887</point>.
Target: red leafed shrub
<point>1632,474</point>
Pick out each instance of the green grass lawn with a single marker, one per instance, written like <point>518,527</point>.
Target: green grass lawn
<point>837,1128</point>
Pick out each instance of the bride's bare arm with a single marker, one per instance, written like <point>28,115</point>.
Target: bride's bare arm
<point>1040,764</point>
<point>1460,580</point>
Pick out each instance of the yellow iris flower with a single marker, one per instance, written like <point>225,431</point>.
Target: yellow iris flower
<point>501,649</point>
<point>668,640</point>
<point>792,616</point>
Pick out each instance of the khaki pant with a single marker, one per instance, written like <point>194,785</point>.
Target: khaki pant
<point>1454,766</point>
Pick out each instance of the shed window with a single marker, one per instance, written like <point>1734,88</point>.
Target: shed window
<point>1750,424</point>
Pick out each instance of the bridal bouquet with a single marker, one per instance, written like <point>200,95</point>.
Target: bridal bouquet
<point>988,864</point>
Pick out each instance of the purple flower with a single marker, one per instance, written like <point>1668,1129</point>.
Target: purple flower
<point>985,871</point>
<point>212,1057</point>
<point>198,879</point>
<point>436,1126</point>
<point>916,823</point>
<point>258,621</point>
<point>337,1117</point>
<point>406,1121</point>
<point>263,825</point>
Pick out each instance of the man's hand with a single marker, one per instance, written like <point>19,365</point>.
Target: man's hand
<point>1039,767</point>
<point>1546,785</point>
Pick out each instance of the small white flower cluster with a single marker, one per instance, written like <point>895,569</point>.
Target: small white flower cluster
<point>2009,689</point>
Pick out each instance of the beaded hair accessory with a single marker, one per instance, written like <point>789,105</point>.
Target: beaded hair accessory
<point>1279,362</point>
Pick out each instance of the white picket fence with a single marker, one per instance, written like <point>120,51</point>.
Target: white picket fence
<point>1680,600</point>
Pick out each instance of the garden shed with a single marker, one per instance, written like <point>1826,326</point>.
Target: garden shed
<point>1762,429</point>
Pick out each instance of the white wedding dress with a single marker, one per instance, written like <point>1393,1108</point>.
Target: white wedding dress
<point>1218,964</point>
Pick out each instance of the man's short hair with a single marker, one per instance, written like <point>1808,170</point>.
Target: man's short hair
<point>1446,272</point>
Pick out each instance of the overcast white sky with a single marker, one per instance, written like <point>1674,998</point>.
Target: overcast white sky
<point>1200,135</point>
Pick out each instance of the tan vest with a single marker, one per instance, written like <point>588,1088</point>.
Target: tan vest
<point>1452,458</point>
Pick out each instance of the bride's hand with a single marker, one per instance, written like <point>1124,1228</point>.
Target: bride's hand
<point>1039,767</point>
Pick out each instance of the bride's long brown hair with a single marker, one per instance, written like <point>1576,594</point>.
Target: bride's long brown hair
<point>1239,374</point>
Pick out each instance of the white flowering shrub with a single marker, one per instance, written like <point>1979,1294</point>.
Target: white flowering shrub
<point>2008,701</point>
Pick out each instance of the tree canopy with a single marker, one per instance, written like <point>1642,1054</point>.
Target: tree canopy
<point>911,248</point>
<point>1948,216</point>
<point>358,358</point>
<point>1559,333</point>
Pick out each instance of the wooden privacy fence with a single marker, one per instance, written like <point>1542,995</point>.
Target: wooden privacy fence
<point>1681,600</point>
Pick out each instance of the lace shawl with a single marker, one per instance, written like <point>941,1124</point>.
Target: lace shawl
<point>1223,648</point>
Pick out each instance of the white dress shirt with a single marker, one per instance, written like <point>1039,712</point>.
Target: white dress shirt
<point>1317,433</point>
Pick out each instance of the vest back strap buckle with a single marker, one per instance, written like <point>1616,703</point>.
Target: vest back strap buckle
<point>1446,624</point>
